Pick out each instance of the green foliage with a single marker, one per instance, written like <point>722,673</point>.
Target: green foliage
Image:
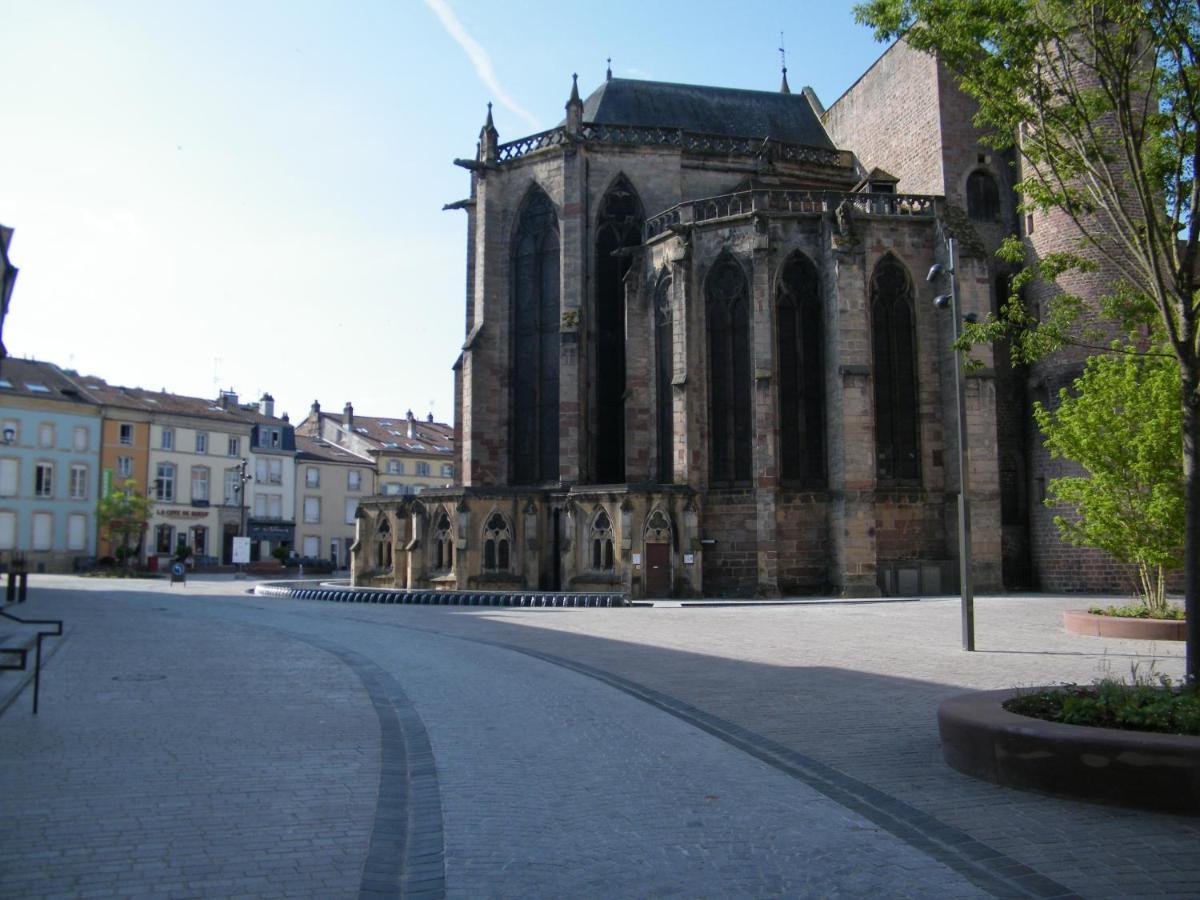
<point>124,514</point>
<point>1141,706</point>
<point>1122,424</point>
<point>281,552</point>
<point>1140,611</point>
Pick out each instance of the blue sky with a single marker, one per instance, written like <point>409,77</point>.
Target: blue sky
<point>248,195</point>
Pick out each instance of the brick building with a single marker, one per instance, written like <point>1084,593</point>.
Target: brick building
<point>701,356</point>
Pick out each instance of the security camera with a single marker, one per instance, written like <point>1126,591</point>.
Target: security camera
<point>941,301</point>
<point>935,272</point>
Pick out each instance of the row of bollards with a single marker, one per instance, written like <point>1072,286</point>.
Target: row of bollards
<point>448,598</point>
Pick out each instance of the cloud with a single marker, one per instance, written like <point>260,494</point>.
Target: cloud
<point>480,60</point>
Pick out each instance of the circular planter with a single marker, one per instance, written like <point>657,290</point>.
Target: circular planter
<point>1079,621</point>
<point>1103,765</point>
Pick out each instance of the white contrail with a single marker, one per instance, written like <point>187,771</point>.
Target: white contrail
<point>479,59</point>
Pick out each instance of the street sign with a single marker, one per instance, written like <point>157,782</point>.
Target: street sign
<point>241,550</point>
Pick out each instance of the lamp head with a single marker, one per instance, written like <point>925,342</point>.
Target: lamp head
<point>935,271</point>
<point>941,301</point>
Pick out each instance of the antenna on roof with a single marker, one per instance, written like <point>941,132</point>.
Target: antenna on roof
<point>608,71</point>
<point>783,88</point>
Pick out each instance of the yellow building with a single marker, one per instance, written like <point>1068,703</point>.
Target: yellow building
<point>330,480</point>
<point>409,455</point>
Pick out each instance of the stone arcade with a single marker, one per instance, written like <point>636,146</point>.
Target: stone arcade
<point>701,355</point>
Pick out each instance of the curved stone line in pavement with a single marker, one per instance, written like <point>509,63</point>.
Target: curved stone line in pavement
<point>988,868</point>
<point>406,854</point>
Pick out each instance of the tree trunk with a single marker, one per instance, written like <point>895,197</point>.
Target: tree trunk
<point>1191,479</point>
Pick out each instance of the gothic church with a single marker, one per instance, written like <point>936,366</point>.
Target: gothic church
<point>701,356</point>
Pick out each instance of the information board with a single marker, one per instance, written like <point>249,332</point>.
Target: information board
<point>241,550</point>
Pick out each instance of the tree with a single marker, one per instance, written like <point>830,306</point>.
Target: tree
<point>1122,424</point>
<point>124,513</point>
<point>1101,100</point>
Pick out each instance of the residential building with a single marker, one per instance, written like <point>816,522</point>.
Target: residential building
<point>49,478</point>
<point>330,480</point>
<point>410,455</point>
<point>271,495</point>
<point>8,278</point>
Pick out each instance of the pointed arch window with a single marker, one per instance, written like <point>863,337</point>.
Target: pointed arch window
<point>730,424</point>
<point>602,543</point>
<point>618,226</point>
<point>535,267</point>
<point>383,544</point>
<point>799,322</point>
<point>664,349</point>
<point>497,541</point>
<point>893,338</point>
<point>443,543</point>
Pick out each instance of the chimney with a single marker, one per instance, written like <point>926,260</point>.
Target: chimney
<point>412,425</point>
<point>429,418</point>
<point>316,408</point>
<point>348,415</point>
<point>228,399</point>
<point>267,406</point>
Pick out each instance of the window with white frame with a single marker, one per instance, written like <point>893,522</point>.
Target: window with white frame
<point>82,439</point>
<point>269,437</point>
<point>43,531</point>
<point>168,439</point>
<point>312,546</point>
<point>260,470</point>
<point>15,427</point>
<point>43,480</point>
<point>354,480</point>
<point>200,483</point>
<point>79,482</point>
<point>393,490</point>
<point>201,441</point>
<point>164,483</point>
<point>233,483</point>
<point>46,435</point>
<point>260,506</point>
<point>8,530</point>
<point>10,477</point>
<point>395,467</point>
<point>312,510</point>
<point>275,506</point>
<point>351,509</point>
<point>312,477</point>
<point>234,447</point>
<point>447,470</point>
<point>422,468</point>
<point>77,531</point>
<point>125,434</point>
<point>275,469</point>
<point>124,466</point>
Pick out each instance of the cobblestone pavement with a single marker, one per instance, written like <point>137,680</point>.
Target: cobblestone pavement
<point>640,752</point>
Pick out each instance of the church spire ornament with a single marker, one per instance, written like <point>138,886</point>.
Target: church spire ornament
<point>574,108</point>
<point>783,87</point>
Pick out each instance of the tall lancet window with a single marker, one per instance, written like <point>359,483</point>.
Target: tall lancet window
<point>893,339</point>
<point>618,226</point>
<point>535,343</point>
<point>731,421</point>
<point>799,320</point>
<point>664,369</point>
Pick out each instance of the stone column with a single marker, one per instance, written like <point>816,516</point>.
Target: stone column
<point>850,403</point>
<point>575,283</point>
<point>639,373</point>
<point>765,464</point>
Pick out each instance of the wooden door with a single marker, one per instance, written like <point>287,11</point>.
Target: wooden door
<point>658,570</point>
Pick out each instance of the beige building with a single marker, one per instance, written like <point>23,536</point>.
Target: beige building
<point>330,481</point>
<point>410,455</point>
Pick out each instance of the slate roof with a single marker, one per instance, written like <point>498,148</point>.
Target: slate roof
<point>391,434</point>
<point>320,450</point>
<point>707,110</point>
<point>32,378</point>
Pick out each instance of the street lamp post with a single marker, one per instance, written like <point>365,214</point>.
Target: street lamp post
<point>965,584</point>
<point>243,477</point>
